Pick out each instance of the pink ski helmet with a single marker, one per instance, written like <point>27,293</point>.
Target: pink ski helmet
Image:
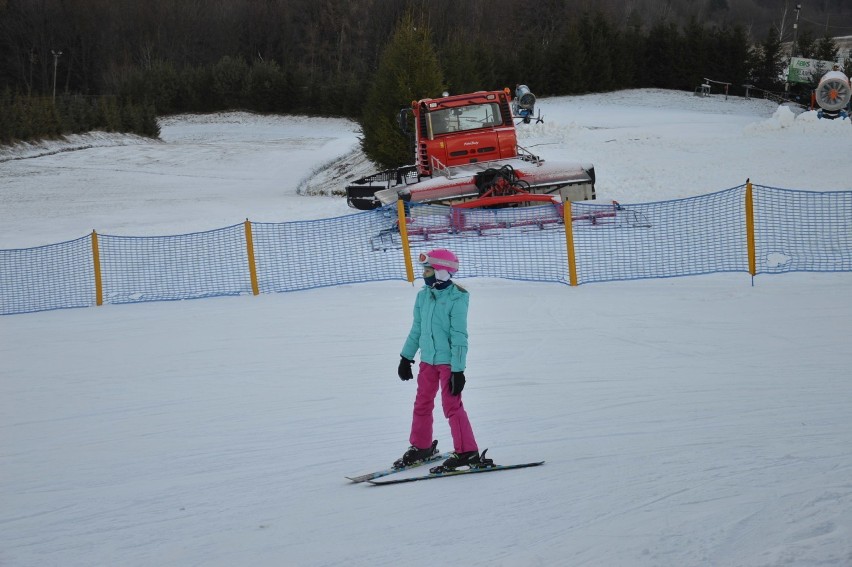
<point>441,260</point>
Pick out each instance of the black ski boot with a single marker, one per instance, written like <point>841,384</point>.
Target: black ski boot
<point>415,455</point>
<point>470,459</point>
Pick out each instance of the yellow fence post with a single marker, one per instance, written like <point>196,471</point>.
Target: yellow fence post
<point>252,266</point>
<point>569,242</point>
<point>749,205</point>
<point>403,233</point>
<point>96,260</point>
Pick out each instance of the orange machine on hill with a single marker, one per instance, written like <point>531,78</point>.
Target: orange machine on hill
<point>466,149</point>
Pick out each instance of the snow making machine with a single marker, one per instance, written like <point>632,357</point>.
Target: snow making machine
<point>833,94</point>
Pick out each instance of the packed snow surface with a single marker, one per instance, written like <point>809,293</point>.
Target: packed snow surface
<point>685,422</point>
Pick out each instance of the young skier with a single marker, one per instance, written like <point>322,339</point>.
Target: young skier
<point>439,332</point>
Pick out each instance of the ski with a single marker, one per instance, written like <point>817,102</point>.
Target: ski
<point>392,470</point>
<point>493,468</point>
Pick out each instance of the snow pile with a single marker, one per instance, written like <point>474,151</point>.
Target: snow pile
<point>803,123</point>
<point>784,117</point>
<point>332,177</point>
<point>70,143</point>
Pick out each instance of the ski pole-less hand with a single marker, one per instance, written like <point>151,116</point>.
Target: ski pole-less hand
<point>456,383</point>
<point>404,370</point>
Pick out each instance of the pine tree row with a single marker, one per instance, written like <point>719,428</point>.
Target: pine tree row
<point>25,118</point>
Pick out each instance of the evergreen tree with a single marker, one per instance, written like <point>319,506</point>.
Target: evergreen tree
<point>161,86</point>
<point>408,71</point>
<point>46,121</point>
<point>489,67</point>
<point>529,63</point>
<point>230,81</point>
<point>805,45</point>
<point>459,60</point>
<point>267,87</point>
<point>598,39</point>
<point>768,66</point>
<point>568,57</point>
<point>149,125</point>
<point>826,49</point>
<point>23,115</point>
<point>665,54</point>
<point>72,110</point>
<point>7,119</point>
<point>731,47</point>
<point>631,61</point>
<point>110,114</point>
<point>699,48</point>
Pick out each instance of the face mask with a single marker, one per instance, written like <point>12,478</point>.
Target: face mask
<point>430,280</point>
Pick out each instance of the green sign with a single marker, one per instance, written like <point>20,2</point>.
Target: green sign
<point>807,70</point>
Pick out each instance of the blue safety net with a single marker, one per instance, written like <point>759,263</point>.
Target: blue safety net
<point>684,237</point>
<point>56,276</point>
<point>306,254</point>
<point>794,231</point>
<point>186,266</point>
<point>526,243</point>
<point>802,231</point>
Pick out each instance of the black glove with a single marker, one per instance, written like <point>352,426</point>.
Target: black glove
<point>456,383</point>
<point>404,369</point>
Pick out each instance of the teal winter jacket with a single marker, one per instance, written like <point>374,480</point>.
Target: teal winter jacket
<point>439,329</point>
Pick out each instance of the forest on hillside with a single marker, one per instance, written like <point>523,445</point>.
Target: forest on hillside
<point>321,56</point>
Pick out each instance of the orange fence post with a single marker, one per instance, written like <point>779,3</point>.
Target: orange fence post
<point>569,242</point>
<point>96,260</point>
<point>255,289</point>
<point>749,206</point>
<point>403,233</point>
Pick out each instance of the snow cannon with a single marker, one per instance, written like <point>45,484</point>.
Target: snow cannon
<point>523,106</point>
<point>833,94</point>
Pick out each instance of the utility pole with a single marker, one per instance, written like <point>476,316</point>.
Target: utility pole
<point>795,46</point>
<point>56,55</point>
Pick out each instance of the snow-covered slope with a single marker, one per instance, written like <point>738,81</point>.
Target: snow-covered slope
<point>216,170</point>
<point>685,422</point>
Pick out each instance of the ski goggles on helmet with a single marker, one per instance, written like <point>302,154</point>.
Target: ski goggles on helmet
<point>430,262</point>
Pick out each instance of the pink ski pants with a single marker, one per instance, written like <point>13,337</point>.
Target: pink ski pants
<point>428,380</point>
